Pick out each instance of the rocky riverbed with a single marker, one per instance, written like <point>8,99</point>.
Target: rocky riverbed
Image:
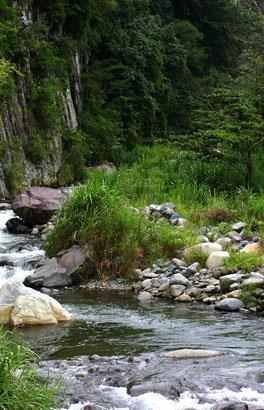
<point>113,354</point>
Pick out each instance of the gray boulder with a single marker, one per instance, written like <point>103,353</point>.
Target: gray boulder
<point>227,280</point>
<point>37,204</point>
<point>229,305</point>
<point>179,279</point>
<point>61,271</point>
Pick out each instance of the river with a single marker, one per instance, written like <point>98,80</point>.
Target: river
<point>112,352</point>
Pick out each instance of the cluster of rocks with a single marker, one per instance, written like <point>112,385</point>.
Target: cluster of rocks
<point>165,212</point>
<point>181,283</point>
<point>236,239</point>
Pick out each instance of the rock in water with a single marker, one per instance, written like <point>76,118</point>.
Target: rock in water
<point>16,225</point>
<point>63,270</point>
<point>37,204</point>
<point>144,296</point>
<point>192,354</point>
<point>20,305</point>
<point>229,305</point>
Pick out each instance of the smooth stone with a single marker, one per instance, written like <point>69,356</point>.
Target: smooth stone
<point>176,290</point>
<point>239,226</point>
<point>192,354</point>
<point>215,260</point>
<point>234,294</point>
<point>146,283</point>
<point>252,248</point>
<point>227,280</point>
<point>144,296</point>
<point>183,298</point>
<point>193,268</point>
<point>229,305</point>
<point>255,280</point>
<point>31,307</point>
<point>211,289</point>
<point>179,279</point>
<point>225,242</point>
<point>179,262</point>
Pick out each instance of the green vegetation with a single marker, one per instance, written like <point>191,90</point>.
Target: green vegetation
<point>116,238</point>
<point>243,261</point>
<point>19,385</point>
<point>99,217</point>
<point>188,73</point>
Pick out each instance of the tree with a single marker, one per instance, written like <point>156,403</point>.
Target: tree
<point>229,129</point>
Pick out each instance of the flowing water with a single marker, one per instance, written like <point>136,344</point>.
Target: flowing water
<point>131,338</point>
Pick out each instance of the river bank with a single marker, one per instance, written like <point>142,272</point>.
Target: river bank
<point>112,351</point>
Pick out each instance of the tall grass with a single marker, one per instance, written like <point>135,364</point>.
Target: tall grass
<point>20,388</point>
<point>99,217</point>
<point>115,237</point>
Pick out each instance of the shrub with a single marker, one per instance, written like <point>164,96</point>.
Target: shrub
<point>19,385</point>
<point>218,215</point>
<point>116,238</point>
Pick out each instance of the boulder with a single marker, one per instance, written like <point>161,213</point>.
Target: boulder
<point>256,280</point>
<point>29,310</point>
<point>24,306</point>
<point>252,248</point>
<point>176,290</point>
<point>227,280</point>
<point>192,354</point>
<point>203,248</point>
<point>17,226</point>
<point>61,271</point>
<point>230,305</point>
<point>215,260</point>
<point>183,298</point>
<point>179,279</point>
<point>37,204</point>
<point>144,296</point>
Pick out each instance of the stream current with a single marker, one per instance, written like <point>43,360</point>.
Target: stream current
<point>111,353</point>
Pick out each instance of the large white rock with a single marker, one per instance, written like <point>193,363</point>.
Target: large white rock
<point>20,305</point>
<point>30,310</point>
<point>203,248</point>
<point>215,260</point>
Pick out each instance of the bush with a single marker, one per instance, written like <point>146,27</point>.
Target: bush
<point>116,237</point>
<point>218,215</point>
<point>19,385</point>
<point>243,261</point>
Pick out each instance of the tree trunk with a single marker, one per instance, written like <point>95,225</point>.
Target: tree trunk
<point>249,170</point>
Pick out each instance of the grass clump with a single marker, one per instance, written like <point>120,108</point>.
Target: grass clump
<point>193,255</point>
<point>115,237</point>
<point>20,388</point>
<point>243,261</point>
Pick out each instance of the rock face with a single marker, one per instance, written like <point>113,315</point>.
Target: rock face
<point>22,306</point>
<point>229,305</point>
<point>37,204</point>
<point>63,270</point>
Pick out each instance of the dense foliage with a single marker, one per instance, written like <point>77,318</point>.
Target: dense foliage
<point>145,68</point>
